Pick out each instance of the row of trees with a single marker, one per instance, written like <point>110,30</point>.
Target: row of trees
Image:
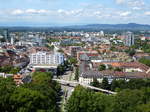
<point>50,40</point>
<point>118,85</point>
<point>145,46</point>
<point>68,65</point>
<point>38,96</point>
<point>71,44</point>
<point>142,44</point>
<point>105,84</point>
<point>9,69</point>
<point>109,67</point>
<point>84,100</point>
<point>145,61</point>
<point>76,73</point>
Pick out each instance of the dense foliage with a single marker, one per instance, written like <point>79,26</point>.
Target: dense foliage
<point>102,67</point>
<point>50,40</point>
<point>118,85</point>
<point>131,84</point>
<point>142,44</point>
<point>84,100</point>
<point>72,44</point>
<point>145,61</point>
<point>72,60</point>
<point>38,96</point>
<point>77,73</point>
<point>131,52</point>
<point>9,69</point>
<point>146,46</point>
<point>61,69</point>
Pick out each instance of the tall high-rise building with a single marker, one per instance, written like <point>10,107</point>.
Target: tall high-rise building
<point>12,40</point>
<point>12,37</point>
<point>6,35</point>
<point>129,38</point>
<point>102,33</point>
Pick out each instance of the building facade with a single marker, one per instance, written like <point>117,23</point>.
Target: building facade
<point>45,58</point>
<point>129,39</point>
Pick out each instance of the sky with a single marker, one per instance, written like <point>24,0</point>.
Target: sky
<point>73,12</point>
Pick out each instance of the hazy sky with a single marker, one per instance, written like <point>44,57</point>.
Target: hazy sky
<point>72,12</point>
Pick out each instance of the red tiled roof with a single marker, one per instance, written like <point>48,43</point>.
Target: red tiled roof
<point>125,65</point>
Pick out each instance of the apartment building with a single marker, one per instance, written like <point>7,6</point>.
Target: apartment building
<point>46,58</point>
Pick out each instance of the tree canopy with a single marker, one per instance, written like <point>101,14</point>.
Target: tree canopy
<point>102,67</point>
<point>38,96</point>
<point>85,100</point>
<point>9,69</point>
<point>145,61</point>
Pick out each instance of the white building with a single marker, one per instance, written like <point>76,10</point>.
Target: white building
<point>89,76</point>
<point>45,58</point>
<point>12,40</point>
<point>102,33</point>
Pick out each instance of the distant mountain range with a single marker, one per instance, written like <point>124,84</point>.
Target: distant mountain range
<point>89,27</point>
<point>130,26</point>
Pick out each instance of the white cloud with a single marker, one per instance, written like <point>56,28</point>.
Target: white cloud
<point>124,14</point>
<point>28,11</point>
<point>43,11</point>
<point>147,13</point>
<point>136,8</point>
<point>86,14</point>
<point>34,11</point>
<point>70,12</point>
<point>136,3</point>
<point>97,13</point>
<point>31,11</point>
<point>17,12</point>
<point>133,4</point>
<point>120,1</point>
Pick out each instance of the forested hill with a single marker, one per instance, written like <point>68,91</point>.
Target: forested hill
<point>89,27</point>
<point>129,26</point>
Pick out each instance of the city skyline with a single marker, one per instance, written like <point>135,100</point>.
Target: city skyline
<point>65,12</point>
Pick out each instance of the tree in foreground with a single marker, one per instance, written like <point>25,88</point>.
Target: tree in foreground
<point>132,100</point>
<point>7,86</point>
<point>24,99</point>
<point>38,96</point>
<point>84,100</point>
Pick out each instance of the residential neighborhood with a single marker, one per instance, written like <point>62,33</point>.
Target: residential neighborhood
<point>75,58</point>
